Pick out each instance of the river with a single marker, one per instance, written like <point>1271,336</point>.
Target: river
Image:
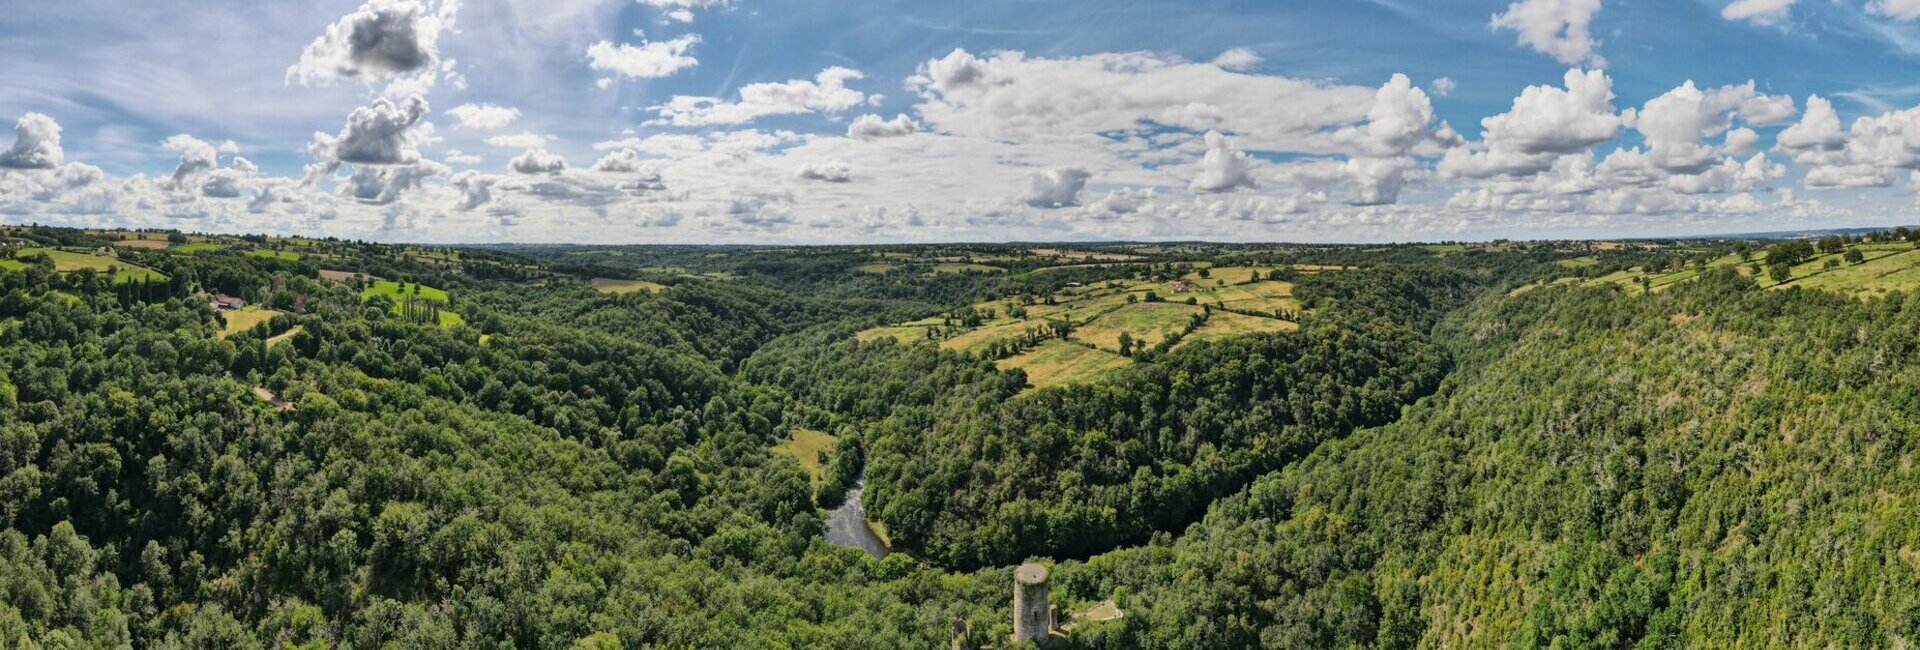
<point>847,525</point>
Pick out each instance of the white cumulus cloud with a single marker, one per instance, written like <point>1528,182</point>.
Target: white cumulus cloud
<point>381,39</point>
<point>36,144</point>
<point>826,93</point>
<point>1897,9</point>
<point>831,171</point>
<point>648,60</point>
<point>1764,12</point>
<point>1056,188</point>
<point>538,161</point>
<point>382,133</point>
<point>196,158</point>
<point>1561,29</point>
<point>1238,59</point>
<point>520,141</point>
<point>1224,168</point>
<point>873,127</point>
<point>1011,95</point>
<point>485,117</point>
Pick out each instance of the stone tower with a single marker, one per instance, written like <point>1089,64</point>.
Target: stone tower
<point>1032,615</point>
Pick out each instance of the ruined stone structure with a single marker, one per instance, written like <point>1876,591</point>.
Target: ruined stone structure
<point>962,635</point>
<point>1032,614</point>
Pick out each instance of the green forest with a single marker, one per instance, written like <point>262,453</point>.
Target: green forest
<point>260,442</point>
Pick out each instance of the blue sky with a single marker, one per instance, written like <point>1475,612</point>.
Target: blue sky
<point>822,121</point>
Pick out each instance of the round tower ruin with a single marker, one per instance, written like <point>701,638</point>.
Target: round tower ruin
<point>1032,614</point>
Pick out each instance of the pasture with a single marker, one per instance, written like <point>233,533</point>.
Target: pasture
<point>68,261</point>
<point>808,447</point>
<point>399,292</point>
<point>1148,323</point>
<point>1223,324</point>
<point>274,254</point>
<point>613,286</point>
<point>965,267</point>
<point>1100,313</point>
<point>402,290</point>
<point>982,337</point>
<point>1057,363</point>
<point>244,320</point>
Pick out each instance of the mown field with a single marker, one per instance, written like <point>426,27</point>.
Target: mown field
<point>65,261</point>
<point>400,292</point>
<point>1057,363</point>
<point>244,319</point>
<point>610,285</point>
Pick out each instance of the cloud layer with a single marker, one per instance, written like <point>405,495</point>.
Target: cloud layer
<point>958,143</point>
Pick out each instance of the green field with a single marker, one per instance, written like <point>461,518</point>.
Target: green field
<point>982,337</point>
<point>1148,324</point>
<point>876,267</point>
<point>66,261</point>
<point>1100,312</point>
<point>1223,324</point>
<point>283,337</point>
<point>12,265</point>
<point>1883,272</point>
<point>196,247</point>
<point>963,267</point>
<point>1056,362</point>
<point>806,447</point>
<point>401,290</point>
<point>244,320</point>
<point>610,285</point>
<point>1887,267</point>
<point>273,254</point>
<point>1232,275</point>
<point>905,332</point>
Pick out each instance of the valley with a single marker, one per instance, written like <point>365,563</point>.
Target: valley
<point>1218,445</point>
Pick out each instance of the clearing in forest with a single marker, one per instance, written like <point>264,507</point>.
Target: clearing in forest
<point>980,338</point>
<point>613,286</point>
<point>274,254</point>
<point>283,337</point>
<point>1100,312</point>
<point>1069,254</point>
<point>811,449</point>
<point>1056,363</point>
<point>1229,274</point>
<point>1147,323</point>
<point>1224,324</point>
<point>244,319</point>
<point>400,292</point>
<point>68,261</point>
<point>905,332</point>
<point>345,276</point>
<point>964,267</point>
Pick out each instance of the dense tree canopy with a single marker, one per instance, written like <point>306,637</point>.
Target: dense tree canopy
<point>1454,448</point>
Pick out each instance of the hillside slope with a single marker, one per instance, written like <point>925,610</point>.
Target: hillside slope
<point>1714,465</point>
